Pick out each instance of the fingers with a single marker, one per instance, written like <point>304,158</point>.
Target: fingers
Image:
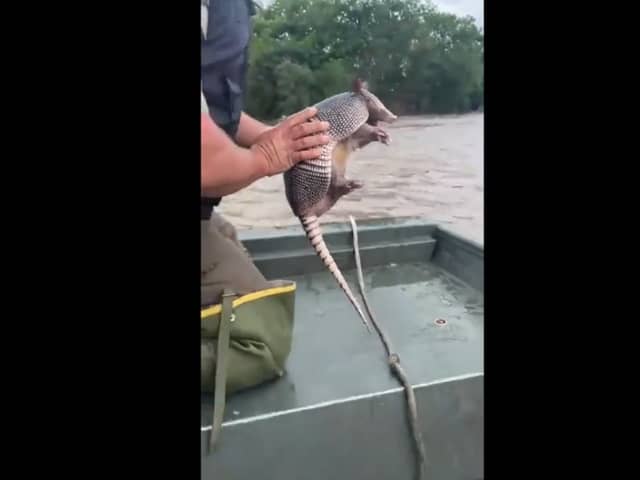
<point>307,154</point>
<point>302,116</point>
<point>311,141</point>
<point>299,137</point>
<point>308,128</point>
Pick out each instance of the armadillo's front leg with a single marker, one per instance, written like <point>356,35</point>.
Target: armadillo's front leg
<point>369,133</point>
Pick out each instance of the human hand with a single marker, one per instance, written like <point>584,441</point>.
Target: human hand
<point>298,137</point>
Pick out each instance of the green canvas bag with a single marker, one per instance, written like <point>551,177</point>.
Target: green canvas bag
<point>244,341</point>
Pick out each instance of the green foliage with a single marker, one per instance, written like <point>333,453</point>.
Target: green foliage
<point>415,58</point>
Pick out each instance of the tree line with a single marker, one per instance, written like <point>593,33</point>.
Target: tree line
<point>414,57</point>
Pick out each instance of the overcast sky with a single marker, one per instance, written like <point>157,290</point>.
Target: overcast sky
<point>475,8</point>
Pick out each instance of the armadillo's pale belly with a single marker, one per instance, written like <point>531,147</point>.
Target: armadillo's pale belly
<point>307,184</point>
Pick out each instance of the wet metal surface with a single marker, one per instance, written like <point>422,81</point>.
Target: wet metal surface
<point>461,258</point>
<point>286,252</point>
<point>360,439</point>
<point>338,412</point>
<point>334,357</point>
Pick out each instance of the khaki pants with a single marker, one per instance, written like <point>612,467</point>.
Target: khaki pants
<point>224,263</point>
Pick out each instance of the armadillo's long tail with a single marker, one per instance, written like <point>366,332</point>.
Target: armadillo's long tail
<point>314,234</point>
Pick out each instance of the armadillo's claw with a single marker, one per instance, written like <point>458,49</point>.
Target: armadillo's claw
<point>383,137</point>
<point>354,184</point>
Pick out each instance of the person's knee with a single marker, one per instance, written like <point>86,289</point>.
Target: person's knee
<point>227,230</point>
<point>225,263</point>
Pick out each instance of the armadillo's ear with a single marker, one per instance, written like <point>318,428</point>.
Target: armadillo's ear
<point>357,85</point>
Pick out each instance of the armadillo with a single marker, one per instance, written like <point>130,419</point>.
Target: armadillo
<point>314,186</point>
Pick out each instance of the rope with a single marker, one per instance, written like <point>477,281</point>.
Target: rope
<point>394,364</point>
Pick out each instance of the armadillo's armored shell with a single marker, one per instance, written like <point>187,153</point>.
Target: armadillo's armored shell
<point>307,183</point>
<point>346,113</point>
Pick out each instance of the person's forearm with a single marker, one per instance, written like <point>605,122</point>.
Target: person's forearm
<point>225,168</point>
<point>240,171</point>
<point>249,130</point>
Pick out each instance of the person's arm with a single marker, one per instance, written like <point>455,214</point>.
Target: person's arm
<point>226,168</point>
<point>249,130</point>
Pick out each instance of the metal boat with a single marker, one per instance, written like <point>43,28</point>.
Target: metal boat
<point>338,412</point>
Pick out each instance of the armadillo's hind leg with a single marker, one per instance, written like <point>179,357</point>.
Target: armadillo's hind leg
<point>346,186</point>
<point>337,189</point>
